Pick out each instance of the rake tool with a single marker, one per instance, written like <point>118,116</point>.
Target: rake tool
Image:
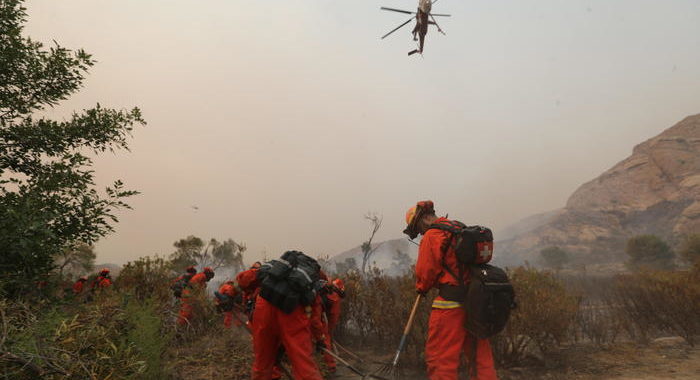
<point>351,367</point>
<point>392,369</point>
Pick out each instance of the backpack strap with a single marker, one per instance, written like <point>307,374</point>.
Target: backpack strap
<point>453,227</point>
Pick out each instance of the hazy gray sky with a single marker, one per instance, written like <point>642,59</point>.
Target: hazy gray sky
<point>286,121</point>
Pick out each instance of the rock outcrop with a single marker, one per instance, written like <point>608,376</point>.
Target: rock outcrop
<point>656,190</point>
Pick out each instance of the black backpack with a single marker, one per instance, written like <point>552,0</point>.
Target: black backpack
<point>289,281</point>
<point>472,244</point>
<point>181,284</point>
<point>489,297</point>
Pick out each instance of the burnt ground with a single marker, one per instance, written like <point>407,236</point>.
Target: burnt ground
<point>226,355</point>
<point>621,362</point>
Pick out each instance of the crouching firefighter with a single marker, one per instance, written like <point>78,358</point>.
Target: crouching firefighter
<point>326,315</point>
<point>451,258</point>
<point>197,283</point>
<point>282,316</point>
<point>225,299</point>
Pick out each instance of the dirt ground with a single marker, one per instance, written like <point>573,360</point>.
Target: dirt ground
<point>667,360</point>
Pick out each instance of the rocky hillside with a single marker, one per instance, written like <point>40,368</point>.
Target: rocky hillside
<point>656,190</point>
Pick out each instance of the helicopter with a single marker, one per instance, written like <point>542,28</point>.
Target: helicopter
<point>424,17</point>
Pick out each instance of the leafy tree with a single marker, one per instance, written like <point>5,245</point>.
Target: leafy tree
<point>193,251</point>
<point>554,257</point>
<point>76,260</point>
<point>48,198</point>
<point>690,249</point>
<point>649,251</point>
<point>367,249</point>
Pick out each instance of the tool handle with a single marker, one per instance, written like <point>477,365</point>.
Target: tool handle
<point>411,317</point>
<point>407,330</point>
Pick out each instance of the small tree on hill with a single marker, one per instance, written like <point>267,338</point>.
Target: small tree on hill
<point>690,249</point>
<point>367,249</point>
<point>649,251</point>
<point>554,257</point>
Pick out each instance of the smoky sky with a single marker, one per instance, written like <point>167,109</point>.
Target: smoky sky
<point>285,122</point>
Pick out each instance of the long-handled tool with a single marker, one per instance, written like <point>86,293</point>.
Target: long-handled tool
<point>392,368</point>
<point>351,367</point>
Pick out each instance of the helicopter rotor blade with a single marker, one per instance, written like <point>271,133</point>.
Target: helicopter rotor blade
<point>440,15</point>
<point>397,28</point>
<point>397,10</point>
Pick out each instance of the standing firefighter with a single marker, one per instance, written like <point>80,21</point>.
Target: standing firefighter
<point>438,267</point>
<point>282,316</point>
<point>189,294</point>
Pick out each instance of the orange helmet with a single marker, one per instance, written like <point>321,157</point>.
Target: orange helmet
<point>414,214</point>
<point>338,283</point>
<point>104,271</point>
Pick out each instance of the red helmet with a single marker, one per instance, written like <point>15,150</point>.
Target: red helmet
<point>104,271</point>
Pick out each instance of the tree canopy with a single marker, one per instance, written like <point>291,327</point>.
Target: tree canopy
<point>193,251</point>
<point>48,198</point>
<point>649,251</point>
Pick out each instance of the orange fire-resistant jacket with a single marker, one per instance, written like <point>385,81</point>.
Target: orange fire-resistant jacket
<point>199,280</point>
<point>430,267</point>
<point>78,286</point>
<point>249,284</point>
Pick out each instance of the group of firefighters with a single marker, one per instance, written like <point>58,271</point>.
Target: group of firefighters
<point>102,281</point>
<point>296,334</point>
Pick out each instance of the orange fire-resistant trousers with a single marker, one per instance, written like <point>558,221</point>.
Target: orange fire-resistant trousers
<point>448,340</point>
<point>271,328</point>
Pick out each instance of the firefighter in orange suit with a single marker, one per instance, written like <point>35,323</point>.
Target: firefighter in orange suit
<point>447,336</point>
<point>198,281</point>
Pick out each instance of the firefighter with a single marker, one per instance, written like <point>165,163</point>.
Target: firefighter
<point>335,297</point>
<point>197,283</point>
<point>180,283</point>
<point>79,285</point>
<point>326,316</point>
<point>249,284</point>
<point>274,328</point>
<point>225,301</point>
<point>103,280</point>
<point>435,268</point>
